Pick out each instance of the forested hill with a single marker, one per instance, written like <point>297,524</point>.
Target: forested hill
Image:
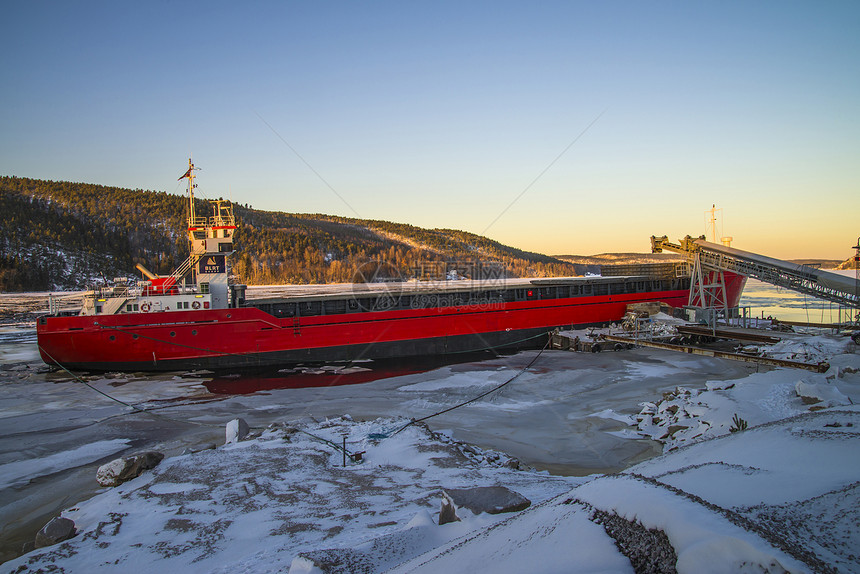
<point>63,235</point>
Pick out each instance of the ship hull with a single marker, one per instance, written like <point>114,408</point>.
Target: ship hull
<point>251,338</point>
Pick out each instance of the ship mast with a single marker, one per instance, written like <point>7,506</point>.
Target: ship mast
<point>191,215</point>
<point>191,186</point>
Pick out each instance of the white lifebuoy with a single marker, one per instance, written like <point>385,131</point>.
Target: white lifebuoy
<point>145,307</point>
<point>195,305</point>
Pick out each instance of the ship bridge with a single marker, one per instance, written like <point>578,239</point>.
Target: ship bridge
<point>714,260</point>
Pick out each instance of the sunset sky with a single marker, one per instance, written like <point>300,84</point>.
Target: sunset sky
<point>558,127</point>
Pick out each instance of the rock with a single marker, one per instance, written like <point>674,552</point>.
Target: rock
<point>108,474</point>
<point>332,561</point>
<point>820,394</point>
<point>649,550</point>
<point>237,430</point>
<point>648,408</point>
<point>200,448</point>
<point>719,385</point>
<point>448,511</point>
<point>489,499</point>
<point>57,530</point>
<point>121,470</point>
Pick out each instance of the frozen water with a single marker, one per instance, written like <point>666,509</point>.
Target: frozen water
<point>22,471</point>
<point>769,300</point>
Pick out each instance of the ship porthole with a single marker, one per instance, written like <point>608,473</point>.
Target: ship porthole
<point>134,337</point>
<point>173,333</point>
<point>112,337</point>
<point>194,331</point>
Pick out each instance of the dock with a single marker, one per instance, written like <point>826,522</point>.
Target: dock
<point>694,350</point>
<point>690,339</point>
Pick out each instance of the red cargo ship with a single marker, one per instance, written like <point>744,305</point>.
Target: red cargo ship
<point>195,319</point>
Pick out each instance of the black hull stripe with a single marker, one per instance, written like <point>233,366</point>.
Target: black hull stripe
<point>437,346</point>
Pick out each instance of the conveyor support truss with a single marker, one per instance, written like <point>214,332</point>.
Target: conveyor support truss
<point>801,278</point>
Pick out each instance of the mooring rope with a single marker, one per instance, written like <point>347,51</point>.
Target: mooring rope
<point>479,397</point>
<point>336,446</point>
<point>120,401</point>
<point>330,443</point>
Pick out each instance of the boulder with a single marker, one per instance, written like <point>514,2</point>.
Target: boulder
<point>489,499</point>
<point>331,561</point>
<point>121,470</point>
<point>237,430</point>
<point>108,474</point>
<point>448,511</point>
<point>57,530</point>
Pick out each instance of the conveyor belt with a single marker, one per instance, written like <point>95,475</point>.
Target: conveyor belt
<point>801,278</point>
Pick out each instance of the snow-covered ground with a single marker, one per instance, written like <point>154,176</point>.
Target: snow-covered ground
<point>779,495</point>
<point>254,505</point>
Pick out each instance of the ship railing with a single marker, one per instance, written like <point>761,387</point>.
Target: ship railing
<point>215,221</point>
<point>65,304</point>
<point>185,267</point>
<point>167,290</point>
<point>105,292</point>
<point>144,290</point>
<point>53,305</point>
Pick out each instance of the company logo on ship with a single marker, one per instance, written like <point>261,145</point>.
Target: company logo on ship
<point>212,264</point>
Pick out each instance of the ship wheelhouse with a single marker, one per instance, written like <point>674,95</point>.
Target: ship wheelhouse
<point>201,282</point>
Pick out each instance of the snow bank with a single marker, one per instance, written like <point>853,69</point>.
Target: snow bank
<point>808,349</point>
<point>687,415</point>
<point>551,538</point>
<point>255,505</point>
<point>747,502</point>
<point>704,540</point>
<point>818,391</point>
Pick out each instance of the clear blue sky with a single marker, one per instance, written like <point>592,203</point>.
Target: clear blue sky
<point>440,114</point>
